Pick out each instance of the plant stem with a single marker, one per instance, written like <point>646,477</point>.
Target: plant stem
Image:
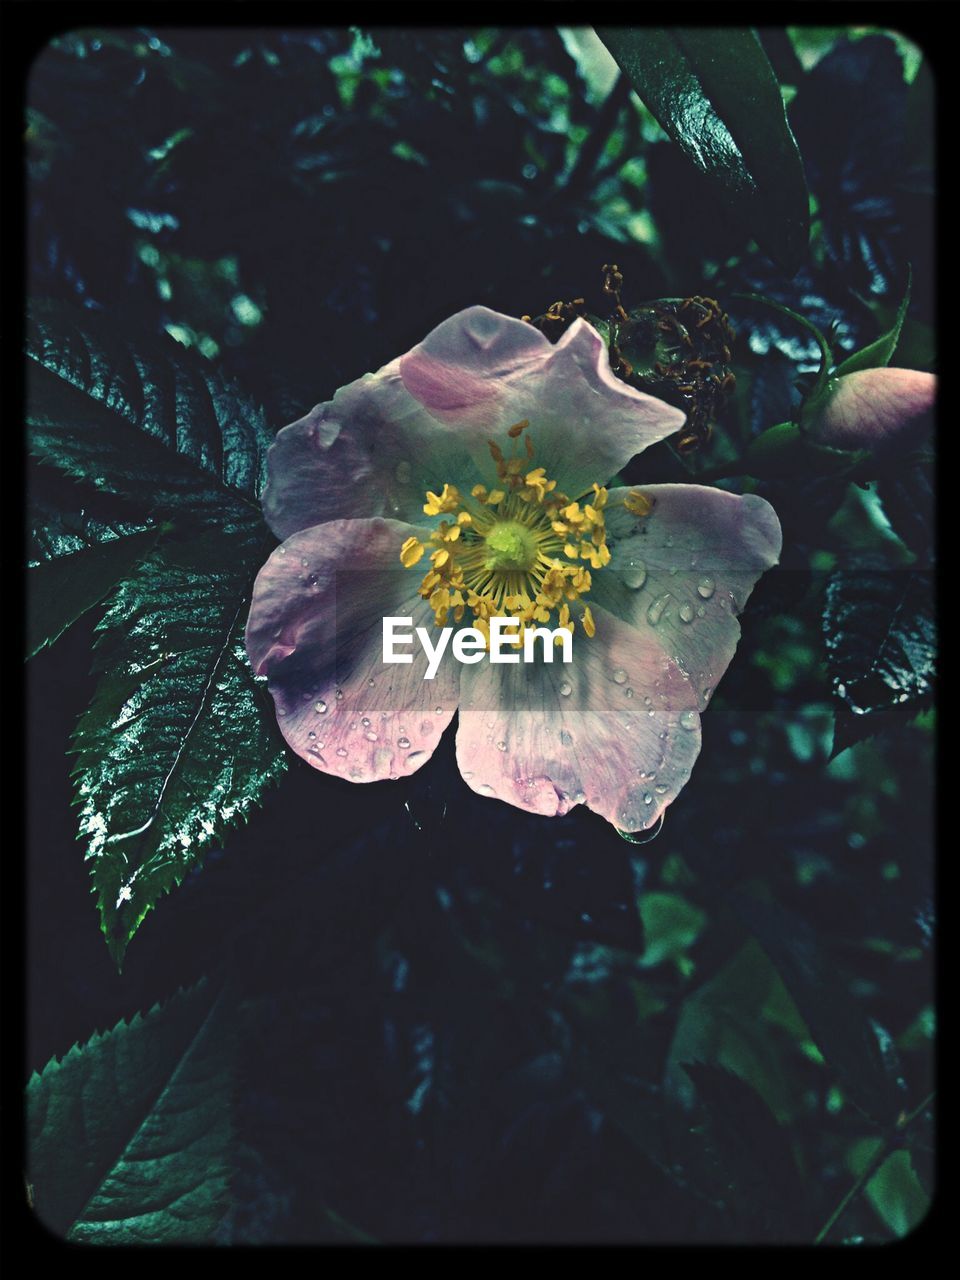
<point>885,1149</point>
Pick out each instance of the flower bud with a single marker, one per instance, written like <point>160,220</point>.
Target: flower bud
<point>872,409</point>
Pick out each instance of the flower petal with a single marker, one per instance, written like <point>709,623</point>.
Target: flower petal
<point>371,450</point>
<point>315,629</point>
<point>875,407</point>
<point>686,570</point>
<point>616,729</point>
<point>480,372</point>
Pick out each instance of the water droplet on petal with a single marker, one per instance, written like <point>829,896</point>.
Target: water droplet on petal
<point>628,692</point>
<point>566,737</point>
<point>403,743</point>
<point>686,613</point>
<point>416,755</point>
<point>341,751</point>
<point>635,575</point>
<point>661,790</point>
<point>501,745</point>
<point>706,588</point>
<point>311,734</point>
<point>706,693</point>
<point>565,688</point>
<point>647,798</point>
<point>304,561</point>
<point>619,676</point>
<point>339,695</point>
<point>688,719</point>
<point>655,612</point>
<point>371,736</point>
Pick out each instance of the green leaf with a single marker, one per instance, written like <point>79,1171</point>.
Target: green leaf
<point>844,1035</point>
<point>894,1191</point>
<point>128,1135</point>
<point>714,92</point>
<point>62,590</point>
<point>149,422</point>
<point>880,637</point>
<point>178,744</point>
<point>878,353</point>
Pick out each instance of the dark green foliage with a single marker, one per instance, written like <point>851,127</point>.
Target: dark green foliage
<point>714,92</point>
<point>129,1134</point>
<point>880,637</point>
<point>161,429</point>
<point>61,590</point>
<point>174,748</point>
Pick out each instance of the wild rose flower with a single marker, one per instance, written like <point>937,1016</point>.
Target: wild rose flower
<point>468,480</point>
<point>874,409</point>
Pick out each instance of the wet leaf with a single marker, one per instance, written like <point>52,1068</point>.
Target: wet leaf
<point>714,92</point>
<point>880,636</point>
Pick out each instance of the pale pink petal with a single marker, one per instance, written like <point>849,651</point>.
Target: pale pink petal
<point>315,630</point>
<point>875,408</point>
<point>616,729</point>
<point>685,571</point>
<point>480,372</point>
<point>372,450</point>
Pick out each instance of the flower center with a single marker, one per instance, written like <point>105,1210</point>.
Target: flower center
<point>517,550</point>
<point>510,545</point>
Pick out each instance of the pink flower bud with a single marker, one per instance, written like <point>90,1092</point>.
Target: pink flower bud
<point>875,408</point>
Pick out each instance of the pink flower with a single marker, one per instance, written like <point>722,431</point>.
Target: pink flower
<point>464,481</point>
<point>874,408</point>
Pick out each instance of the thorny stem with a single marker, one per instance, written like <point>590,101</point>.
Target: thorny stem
<point>891,1140</point>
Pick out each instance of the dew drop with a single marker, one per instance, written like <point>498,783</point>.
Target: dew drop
<point>371,736</point>
<point>341,751</point>
<point>365,722</point>
<point>686,613</point>
<point>688,719</point>
<point>304,561</point>
<point>501,745</point>
<point>565,688</point>
<point>655,612</point>
<point>403,743</point>
<point>311,734</point>
<point>339,695</point>
<point>647,798</point>
<point>485,789</point>
<point>416,755</point>
<point>706,588</point>
<point>660,789</point>
<point>628,692</point>
<point>706,693</point>
<point>619,676</point>
<point>438,711</point>
<point>635,575</point>
<point>370,682</point>
<point>701,611</point>
<point>566,737</point>
<point>320,708</point>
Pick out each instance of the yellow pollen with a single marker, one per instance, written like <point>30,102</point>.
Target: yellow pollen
<point>517,550</point>
<point>637,503</point>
